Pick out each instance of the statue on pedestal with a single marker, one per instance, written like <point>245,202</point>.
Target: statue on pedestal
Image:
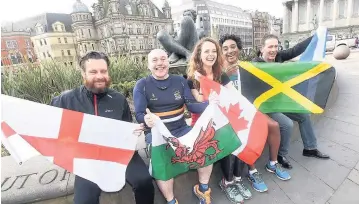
<point>182,46</point>
<point>315,22</point>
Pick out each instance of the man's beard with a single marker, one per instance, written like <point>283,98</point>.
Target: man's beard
<point>90,85</point>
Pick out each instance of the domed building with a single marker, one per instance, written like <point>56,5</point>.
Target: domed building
<point>120,27</point>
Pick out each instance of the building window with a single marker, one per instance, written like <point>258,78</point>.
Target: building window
<point>85,48</point>
<point>48,54</point>
<point>62,53</point>
<point>342,8</point>
<point>129,10</point>
<point>355,8</point>
<point>93,47</point>
<point>44,55</point>
<point>148,29</point>
<point>156,28</point>
<point>141,44</point>
<point>138,29</point>
<point>11,44</point>
<point>156,13</point>
<point>28,43</point>
<point>59,40</point>
<point>45,42</point>
<point>328,7</point>
<point>82,33</point>
<point>89,32</point>
<point>133,45</point>
<point>130,30</point>
<point>71,63</point>
<point>69,52</point>
<point>65,39</point>
<point>302,12</point>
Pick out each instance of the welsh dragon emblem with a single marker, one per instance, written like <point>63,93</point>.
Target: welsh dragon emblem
<point>197,157</point>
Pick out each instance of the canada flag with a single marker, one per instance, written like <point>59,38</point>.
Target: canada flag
<point>250,125</point>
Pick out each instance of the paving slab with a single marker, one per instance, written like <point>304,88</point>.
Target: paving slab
<point>320,167</point>
<point>354,176</point>
<point>340,154</point>
<point>344,114</point>
<point>329,124</point>
<point>305,187</point>
<point>345,139</point>
<point>348,193</point>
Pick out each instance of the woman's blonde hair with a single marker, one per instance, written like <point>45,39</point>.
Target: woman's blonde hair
<point>196,63</point>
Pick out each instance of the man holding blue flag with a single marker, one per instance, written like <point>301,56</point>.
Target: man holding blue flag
<point>311,49</point>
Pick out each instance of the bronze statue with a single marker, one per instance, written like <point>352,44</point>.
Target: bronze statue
<point>189,35</point>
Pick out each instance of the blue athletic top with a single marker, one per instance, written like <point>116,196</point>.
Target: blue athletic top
<point>165,98</point>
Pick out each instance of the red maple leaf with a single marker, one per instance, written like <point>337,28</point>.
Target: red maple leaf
<point>233,113</point>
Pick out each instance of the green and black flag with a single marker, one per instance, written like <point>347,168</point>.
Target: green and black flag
<point>294,87</point>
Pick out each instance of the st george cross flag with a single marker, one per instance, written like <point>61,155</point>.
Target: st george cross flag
<point>237,108</point>
<point>315,51</point>
<point>95,148</point>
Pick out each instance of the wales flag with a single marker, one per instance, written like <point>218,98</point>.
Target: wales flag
<point>211,139</point>
<point>295,87</point>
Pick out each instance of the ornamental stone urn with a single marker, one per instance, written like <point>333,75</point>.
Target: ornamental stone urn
<point>341,52</point>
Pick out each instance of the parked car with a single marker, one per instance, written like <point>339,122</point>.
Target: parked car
<point>334,41</point>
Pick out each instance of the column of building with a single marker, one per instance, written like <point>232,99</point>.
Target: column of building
<point>285,18</point>
<point>335,10</point>
<point>308,19</point>
<point>321,12</point>
<point>295,15</point>
<point>350,11</point>
<point>286,28</point>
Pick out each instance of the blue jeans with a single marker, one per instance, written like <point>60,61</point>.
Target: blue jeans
<point>286,126</point>
<point>179,132</point>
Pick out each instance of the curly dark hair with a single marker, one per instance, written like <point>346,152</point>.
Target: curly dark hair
<point>233,37</point>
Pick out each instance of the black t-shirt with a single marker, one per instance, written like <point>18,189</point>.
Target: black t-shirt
<point>224,81</point>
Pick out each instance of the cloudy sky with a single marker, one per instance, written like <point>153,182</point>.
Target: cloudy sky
<point>13,10</point>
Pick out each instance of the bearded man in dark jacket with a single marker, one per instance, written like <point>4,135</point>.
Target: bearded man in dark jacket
<point>95,97</point>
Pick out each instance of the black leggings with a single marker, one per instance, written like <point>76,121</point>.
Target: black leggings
<point>137,175</point>
<point>231,166</point>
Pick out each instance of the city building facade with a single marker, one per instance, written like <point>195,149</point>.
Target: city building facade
<point>52,36</point>
<point>261,26</point>
<point>120,27</point>
<point>218,19</point>
<point>16,48</point>
<point>301,17</point>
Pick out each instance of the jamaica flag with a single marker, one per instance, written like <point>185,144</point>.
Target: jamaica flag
<point>294,87</point>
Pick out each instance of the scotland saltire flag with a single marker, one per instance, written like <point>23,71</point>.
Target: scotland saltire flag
<point>316,48</point>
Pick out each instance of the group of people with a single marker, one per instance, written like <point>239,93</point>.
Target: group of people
<point>166,96</point>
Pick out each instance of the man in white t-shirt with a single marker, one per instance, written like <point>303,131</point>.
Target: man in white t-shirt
<point>231,165</point>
